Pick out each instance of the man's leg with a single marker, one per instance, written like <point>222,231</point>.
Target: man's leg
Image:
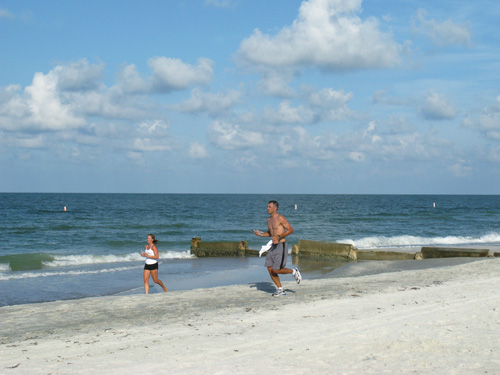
<point>274,277</point>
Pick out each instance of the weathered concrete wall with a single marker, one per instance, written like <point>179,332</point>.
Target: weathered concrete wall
<point>386,255</point>
<point>449,252</point>
<point>325,249</point>
<point>320,249</point>
<point>219,249</point>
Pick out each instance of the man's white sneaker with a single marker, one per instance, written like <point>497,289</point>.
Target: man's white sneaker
<point>279,292</point>
<point>297,275</point>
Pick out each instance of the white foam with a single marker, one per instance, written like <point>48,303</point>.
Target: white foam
<point>416,241</point>
<point>78,260</point>
<point>4,267</point>
<point>30,275</point>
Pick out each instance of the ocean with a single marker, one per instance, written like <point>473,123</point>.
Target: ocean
<point>67,246</point>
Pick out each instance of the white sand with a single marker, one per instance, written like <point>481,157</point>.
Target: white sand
<point>433,321</point>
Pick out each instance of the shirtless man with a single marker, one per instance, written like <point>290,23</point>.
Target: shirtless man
<point>278,228</point>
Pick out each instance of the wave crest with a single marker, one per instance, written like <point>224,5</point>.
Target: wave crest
<point>416,241</point>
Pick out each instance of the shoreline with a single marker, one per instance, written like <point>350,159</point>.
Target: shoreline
<point>424,321</point>
<point>192,273</point>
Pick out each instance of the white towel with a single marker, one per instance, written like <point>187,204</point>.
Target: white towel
<point>265,248</point>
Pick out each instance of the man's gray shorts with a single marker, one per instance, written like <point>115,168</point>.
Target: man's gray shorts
<point>277,255</point>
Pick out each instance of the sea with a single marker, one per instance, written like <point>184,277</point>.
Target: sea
<point>61,246</point>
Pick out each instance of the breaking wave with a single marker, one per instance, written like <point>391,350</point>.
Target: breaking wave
<point>415,241</point>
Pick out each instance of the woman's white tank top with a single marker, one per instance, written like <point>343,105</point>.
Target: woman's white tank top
<point>150,252</point>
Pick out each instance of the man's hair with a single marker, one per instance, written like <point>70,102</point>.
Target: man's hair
<point>276,204</point>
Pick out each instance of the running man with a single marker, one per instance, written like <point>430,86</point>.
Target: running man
<point>278,228</point>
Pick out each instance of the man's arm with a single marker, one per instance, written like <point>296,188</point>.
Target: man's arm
<point>286,226</point>
<point>263,234</point>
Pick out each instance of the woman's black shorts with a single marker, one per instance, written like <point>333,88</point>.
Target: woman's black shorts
<point>151,267</point>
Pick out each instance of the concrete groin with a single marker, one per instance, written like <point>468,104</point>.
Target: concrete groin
<point>453,252</point>
<point>220,249</point>
<point>321,249</point>
<point>387,255</point>
<point>332,250</point>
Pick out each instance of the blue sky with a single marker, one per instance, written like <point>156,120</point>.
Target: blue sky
<point>234,96</point>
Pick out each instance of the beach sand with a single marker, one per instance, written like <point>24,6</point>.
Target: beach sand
<point>442,320</point>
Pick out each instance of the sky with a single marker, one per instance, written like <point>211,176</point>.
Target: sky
<point>240,96</point>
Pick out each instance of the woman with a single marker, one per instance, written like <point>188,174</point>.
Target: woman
<point>151,266</point>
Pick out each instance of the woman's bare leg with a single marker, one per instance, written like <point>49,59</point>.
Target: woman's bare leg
<point>154,273</point>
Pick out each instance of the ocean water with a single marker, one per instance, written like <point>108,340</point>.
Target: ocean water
<point>66,246</point>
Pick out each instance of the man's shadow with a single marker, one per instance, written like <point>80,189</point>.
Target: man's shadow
<point>267,287</point>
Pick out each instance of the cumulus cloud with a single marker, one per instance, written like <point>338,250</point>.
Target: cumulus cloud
<point>327,34</point>
<point>197,151</point>
<point>381,97</point>
<point>219,3</point>
<point>437,107</point>
<point>174,74</point>
<point>155,127</point>
<point>382,142</point>
<point>150,144</point>
<point>231,136</point>
<point>4,13</point>
<point>333,103</point>
<point>68,95</point>
<point>460,169</point>
<point>212,103</point>
<point>153,137</point>
<point>442,33</point>
<point>79,76</point>
<point>286,114</point>
<point>276,82</point>
<point>130,81</point>
<point>488,122</point>
<point>47,109</point>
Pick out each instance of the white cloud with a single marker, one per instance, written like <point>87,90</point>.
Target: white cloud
<point>231,137</point>
<point>150,144</point>
<point>380,96</point>
<point>79,76</point>
<point>61,99</point>
<point>174,74</point>
<point>357,156</point>
<point>130,81</point>
<point>155,127</point>
<point>443,33</point>
<point>488,122</point>
<point>13,108</point>
<point>47,110</point>
<point>197,151</point>
<point>4,13</point>
<point>219,3</point>
<point>276,82</point>
<point>211,103</point>
<point>28,141</point>
<point>459,169</point>
<point>437,107</point>
<point>326,34</point>
<point>333,103</point>
<point>286,114</point>
<point>154,137</point>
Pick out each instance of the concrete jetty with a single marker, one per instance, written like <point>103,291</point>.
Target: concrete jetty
<point>452,252</point>
<point>333,250</point>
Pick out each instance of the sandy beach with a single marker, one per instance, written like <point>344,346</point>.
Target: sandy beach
<point>426,321</point>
